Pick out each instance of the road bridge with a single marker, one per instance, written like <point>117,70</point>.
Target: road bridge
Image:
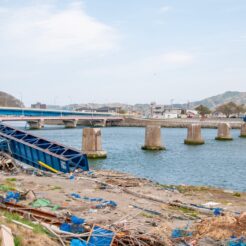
<point>37,118</point>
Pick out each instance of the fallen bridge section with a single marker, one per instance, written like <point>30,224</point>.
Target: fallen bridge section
<point>33,150</point>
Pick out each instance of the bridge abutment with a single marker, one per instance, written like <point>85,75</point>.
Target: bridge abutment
<point>92,144</point>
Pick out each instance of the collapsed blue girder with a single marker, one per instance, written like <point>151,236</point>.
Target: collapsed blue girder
<point>31,149</point>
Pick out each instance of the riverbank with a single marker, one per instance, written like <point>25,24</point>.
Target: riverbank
<point>139,208</point>
<point>180,123</point>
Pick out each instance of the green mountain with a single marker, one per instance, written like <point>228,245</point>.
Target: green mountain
<point>7,100</point>
<point>229,96</point>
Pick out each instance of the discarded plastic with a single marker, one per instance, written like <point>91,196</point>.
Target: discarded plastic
<point>217,211</point>
<point>100,236</point>
<point>237,242</point>
<point>77,242</point>
<point>12,196</point>
<point>75,226</point>
<point>177,233</point>
<point>106,203</point>
<point>65,227</point>
<point>76,220</point>
<point>44,203</point>
<point>75,195</point>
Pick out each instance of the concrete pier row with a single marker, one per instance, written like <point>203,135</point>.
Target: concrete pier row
<point>243,130</point>
<point>224,132</point>
<point>92,143</point>
<point>194,136</point>
<point>153,138</point>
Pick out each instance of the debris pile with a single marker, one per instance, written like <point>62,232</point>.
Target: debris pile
<point>222,227</point>
<point>7,163</point>
<point>112,209</point>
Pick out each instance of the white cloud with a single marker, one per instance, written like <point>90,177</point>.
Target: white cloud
<point>148,65</point>
<point>164,9</point>
<point>46,30</point>
<point>178,57</point>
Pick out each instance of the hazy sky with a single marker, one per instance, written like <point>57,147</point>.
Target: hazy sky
<point>129,51</point>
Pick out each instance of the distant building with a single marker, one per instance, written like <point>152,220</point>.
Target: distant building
<point>39,105</point>
<point>54,107</point>
<point>107,109</point>
<point>104,109</point>
<point>85,109</point>
<point>165,112</point>
<point>191,113</point>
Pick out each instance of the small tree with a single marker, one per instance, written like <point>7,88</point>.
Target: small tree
<point>203,110</point>
<point>229,108</point>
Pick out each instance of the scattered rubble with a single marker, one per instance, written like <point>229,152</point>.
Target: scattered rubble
<point>111,208</point>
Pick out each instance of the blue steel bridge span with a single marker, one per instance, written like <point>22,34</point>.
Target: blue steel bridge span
<point>32,150</point>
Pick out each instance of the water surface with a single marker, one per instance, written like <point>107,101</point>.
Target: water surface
<point>216,163</point>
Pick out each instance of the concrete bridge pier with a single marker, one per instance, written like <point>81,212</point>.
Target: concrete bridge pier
<point>92,144</point>
<point>194,136</point>
<point>153,138</point>
<point>35,124</point>
<point>99,123</point>
<point>224,132</point>
<point>243,130</point>
<point>70,123</point>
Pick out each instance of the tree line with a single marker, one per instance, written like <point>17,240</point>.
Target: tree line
<point>227,109</point>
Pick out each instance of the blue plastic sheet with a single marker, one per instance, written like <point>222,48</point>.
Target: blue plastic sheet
<point>103,204</point>
<point>76,220</point>
<point>75,195</point>
<point>107,203</point>
<point>177,233</point>
<point>237,242</point>
<point>217,211</point>
<point>66,227</point>
<point>12,196</point>
<point>77,242</point>
<point>100,237</point>
<point>75,227</point>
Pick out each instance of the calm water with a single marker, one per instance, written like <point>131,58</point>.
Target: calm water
<point>221,164</point>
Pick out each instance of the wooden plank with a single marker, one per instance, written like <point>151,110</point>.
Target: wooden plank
<point>7,237</point>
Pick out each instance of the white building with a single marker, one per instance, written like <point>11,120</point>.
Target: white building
<point>165,112</point>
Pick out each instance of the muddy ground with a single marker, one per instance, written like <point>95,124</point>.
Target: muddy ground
<point>148,208</point>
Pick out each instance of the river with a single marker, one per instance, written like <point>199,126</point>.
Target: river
<point>216,163</point>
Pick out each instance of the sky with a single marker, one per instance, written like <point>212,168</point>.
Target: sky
<point>126,51</point>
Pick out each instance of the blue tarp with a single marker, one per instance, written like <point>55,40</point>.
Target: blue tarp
<point>100,237</point>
